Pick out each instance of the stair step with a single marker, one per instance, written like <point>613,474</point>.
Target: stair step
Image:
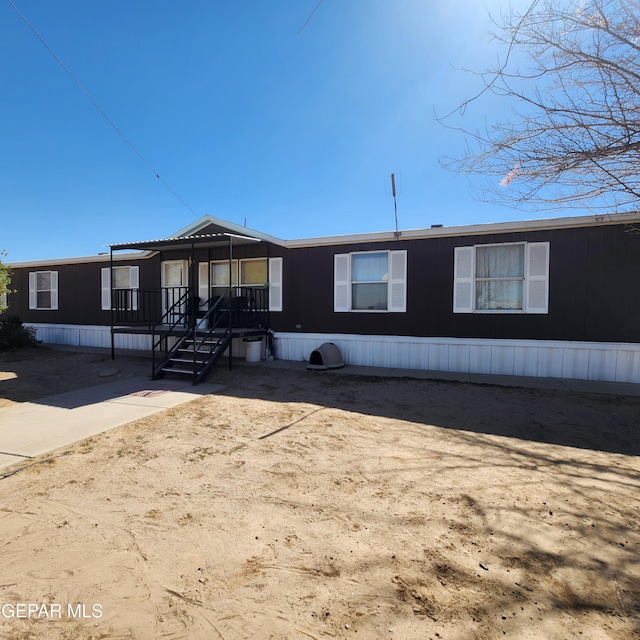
<point>189,354</point>
<point>188,372</point>
<point>207,351</point>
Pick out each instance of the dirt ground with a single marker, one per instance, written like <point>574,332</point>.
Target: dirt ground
<point>311,505</point>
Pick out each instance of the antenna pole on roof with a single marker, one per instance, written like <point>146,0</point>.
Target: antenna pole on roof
<point>395,204</point>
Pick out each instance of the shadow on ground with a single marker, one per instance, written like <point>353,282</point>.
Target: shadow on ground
<point>586,421</point>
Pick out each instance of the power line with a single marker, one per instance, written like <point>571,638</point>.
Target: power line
<point>311,16</point>
<point>97,106</point>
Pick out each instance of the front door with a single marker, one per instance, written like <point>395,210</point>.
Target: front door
<point>174,286</point>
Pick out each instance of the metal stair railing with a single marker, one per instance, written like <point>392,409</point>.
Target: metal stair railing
<point>206,337</point>
<point>179,312</point>
<point>206,342</point>
<point>202,336</point>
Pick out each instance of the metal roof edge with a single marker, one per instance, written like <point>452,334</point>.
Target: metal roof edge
<point>470,230</point>
<point>381,236</point>
<point>101,257</point>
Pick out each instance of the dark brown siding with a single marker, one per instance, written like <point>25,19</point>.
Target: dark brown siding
<point>79,291</point>
<point>594,276</point>
<point>593,280</point>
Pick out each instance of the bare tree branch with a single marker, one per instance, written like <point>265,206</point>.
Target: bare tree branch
<point>574,138</point>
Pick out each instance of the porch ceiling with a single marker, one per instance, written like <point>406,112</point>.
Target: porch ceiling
<point>186,242</point>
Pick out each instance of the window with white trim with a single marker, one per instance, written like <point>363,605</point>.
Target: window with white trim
<point>253,272</point>
<point>374,281</point>
<point>43,290</point>
<point>502,278</point>
<point>125,284</point>
<point>247,272</point>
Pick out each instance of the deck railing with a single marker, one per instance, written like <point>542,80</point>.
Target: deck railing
<point>177,307</point>
<point>145,306</point>
<point>248,306</point>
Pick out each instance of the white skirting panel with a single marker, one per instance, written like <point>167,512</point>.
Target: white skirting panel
<point>615,362</point>
<point>88,336</point>
<point>100,336</point>
<point>608,361</point>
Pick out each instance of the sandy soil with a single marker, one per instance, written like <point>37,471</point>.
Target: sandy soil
<point>35,373</point>
<point>304,505</point>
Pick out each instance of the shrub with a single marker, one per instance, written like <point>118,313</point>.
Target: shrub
<point>14,335</point>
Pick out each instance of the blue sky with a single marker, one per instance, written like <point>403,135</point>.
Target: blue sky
<point>242,113</point>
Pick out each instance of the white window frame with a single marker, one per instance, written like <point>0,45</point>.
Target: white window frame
<point>33,290</point>
<point>396,282</point>
<point>274,279</point>
<point>204,276</point>
<point>184,264</point>
<point>107,286</point>
<point>236,272</point>
<point>169,294</point>
<point>535,281</point>
<point>256,285</point>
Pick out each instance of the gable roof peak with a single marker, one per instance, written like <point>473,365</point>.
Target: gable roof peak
<point>221,225</point>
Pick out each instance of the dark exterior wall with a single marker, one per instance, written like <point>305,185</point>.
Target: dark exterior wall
<point>80,287</point>
<point>79,291</point>
<point>594,275</point>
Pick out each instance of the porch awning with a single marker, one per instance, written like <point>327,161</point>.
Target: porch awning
<point>186,242</point>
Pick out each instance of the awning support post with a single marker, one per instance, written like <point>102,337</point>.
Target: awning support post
<point>113,338</point>
<point>230,296</point>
